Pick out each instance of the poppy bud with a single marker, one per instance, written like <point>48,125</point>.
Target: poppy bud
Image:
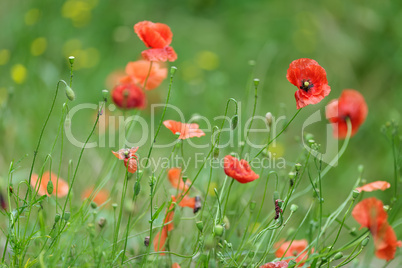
<point>268,119</point>
<point>70,93</point>
<point>200,225</point>
<point>197,205</point>
<point>291,231</point>
<point>256,82</point>
<point>308,136</point>
<point>234,121</point>
<point>67,122</point>
<point>173,70</point>
<point>49,187</point>
<point>66,216</point>
<point>71,59</point>
<point>184,178</point>
<point>216,152</point>
<point>252,205</point>
<point>360,168</point>
<point>298,166</point>
<point>292,175</point>
<point>56,218</point>
<point>105,94</point>
<point>338,256</point>
<point>218,230</point>
<point>226,222</point>
<point>114,205</point>
<point>293,208</point>
<point>365,241</point>
<point>146,241</point>
<point>93,205</point>
<point>355,194</point>
<point>137,188</point>
<point>102,222</point>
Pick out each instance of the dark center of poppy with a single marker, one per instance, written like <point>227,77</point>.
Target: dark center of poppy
<point>306,85</point>
<point>295,253</point>
<point>126,154</point>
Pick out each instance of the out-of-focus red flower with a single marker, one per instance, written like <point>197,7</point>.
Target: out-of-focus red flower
<point>370,214</point>
<point>277,264</point>
<point>239,170</point>
<point>186,130</point>
<point>191,202</point>
<point>310,79</point>
<point>139,71</point>
<point>374,186</point>
<point>129,157</point>
<point>159,54</point>
<point>128,96</point>
<point>98,198</point>
<point>60,186</point>
<point>3,203</point>
<point>295,249</point>
<point>175,265</point>
<point>351,104</point>
<point>175,178</point>
<point>160,238</point>
<point>386,243</point>
<point>156,36</point>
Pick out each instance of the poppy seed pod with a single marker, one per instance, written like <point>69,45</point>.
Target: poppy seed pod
<point>71,59</point>
<point>93,205</point>
<point>293,208</point>
<point>218,230</point>
<point>173,70</point>
<point>56,218</point>
<point>355,194</point>
<point>365,241</point>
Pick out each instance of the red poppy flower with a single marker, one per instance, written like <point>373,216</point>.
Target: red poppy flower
<point>278,264</point>
<point>129,157</point>
<point>159,54</point>
<point>154,35</point>
<point>351,104</point>
<point>239,170</point>
<point>386,243</point>
<point>191,202</point>
<point>186,130</point>
<point>295,249</point>
<point>373,186</point>
<point>370,213</point>
<point>161,236</point>
<point>158,37</point>
<point>175,178</point>
<point>98,198</point>
<point>139,71</point>
<point>175,265</point>
<point>60,186</point>
<point>310,79</point>
<point>128,96</point>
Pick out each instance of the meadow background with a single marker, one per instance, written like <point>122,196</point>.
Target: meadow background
<point>221,46</point>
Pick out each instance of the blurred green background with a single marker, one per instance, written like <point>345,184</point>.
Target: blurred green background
<point>221,46</point>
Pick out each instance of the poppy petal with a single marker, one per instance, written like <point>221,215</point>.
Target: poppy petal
<point>373,186</point>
